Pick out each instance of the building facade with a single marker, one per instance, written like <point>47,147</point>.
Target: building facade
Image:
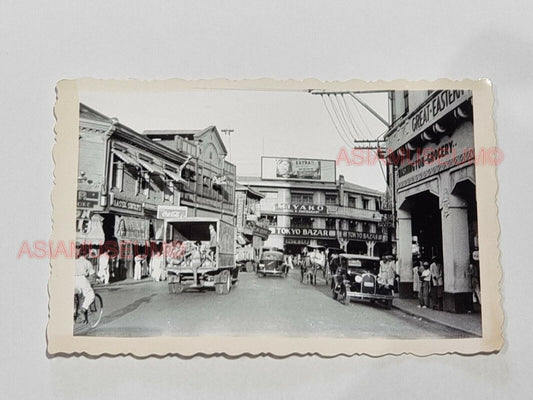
<point>331,214</point>
<point>251,230</point>
<point>431,165</point>
<point>127,180</point>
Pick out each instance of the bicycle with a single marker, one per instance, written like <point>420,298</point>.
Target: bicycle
<point>94,312</point>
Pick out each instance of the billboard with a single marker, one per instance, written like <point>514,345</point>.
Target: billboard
<point>300,169</point>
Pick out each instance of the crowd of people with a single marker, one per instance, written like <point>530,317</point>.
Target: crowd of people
<point>428,282</point>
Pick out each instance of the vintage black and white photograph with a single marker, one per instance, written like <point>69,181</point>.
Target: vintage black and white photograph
<point>316,212</point>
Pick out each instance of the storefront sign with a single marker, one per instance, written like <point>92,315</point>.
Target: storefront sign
<point>127,205</point>
<point>297,241</point>
<point>307,232</point>
<point>87,199</point>
<point>131,228</point>
<point>354,235</point>
<point>175,212</point>
<point>432,159</point>
<point>282,168</point>
<point>299,208</point>
<point>326,233</point>
<point>436,108</point>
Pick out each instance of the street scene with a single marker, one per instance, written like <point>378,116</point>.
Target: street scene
<point>255,307</point>
<point>331,214</point>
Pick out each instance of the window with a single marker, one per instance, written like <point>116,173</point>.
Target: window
<point>145,183</point>
<point>118,175</point>
<point>331,199</point>
<point>330,223</point>
<point>301,222</point>
<point>351,201</point>
<point>366,227</point>
<point>366,204</point>
<point>168,193</point>
<point>305,198</point>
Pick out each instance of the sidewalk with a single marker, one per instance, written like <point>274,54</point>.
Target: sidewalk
<point>470,323</point>
<point>127,281</point>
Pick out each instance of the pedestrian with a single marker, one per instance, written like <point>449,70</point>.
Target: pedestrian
<point>103,267</point>
<point>289,259</point>
<point>82,286</point>
<point>425,278</point>
<point>155,265</point>
<point>416,278</point>
<point>437,284</point>
<point>212,242</point>
<point>473,276</point>
<point>386,272</point>
<point>138,266</point>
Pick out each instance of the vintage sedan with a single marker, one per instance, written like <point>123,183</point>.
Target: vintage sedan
<point>272,263</point>
<point>356,278</point>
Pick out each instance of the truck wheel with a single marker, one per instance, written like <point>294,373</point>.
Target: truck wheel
<point>224,284</point>
<point>388,304</point>
<point>334,294</point>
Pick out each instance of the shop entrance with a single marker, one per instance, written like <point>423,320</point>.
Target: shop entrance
<point>426,225</point>
<point>356,247</point>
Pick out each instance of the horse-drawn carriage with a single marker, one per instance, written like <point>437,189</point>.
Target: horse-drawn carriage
<point>312,260</point>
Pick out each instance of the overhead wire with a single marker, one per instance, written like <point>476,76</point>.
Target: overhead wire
<point>343,119</point>
<point>356,106</point>
<point>355,125</point>
<point>343,139</point>
<point>345,129</point>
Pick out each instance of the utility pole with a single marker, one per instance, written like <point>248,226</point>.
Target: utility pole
<point>228,132</point>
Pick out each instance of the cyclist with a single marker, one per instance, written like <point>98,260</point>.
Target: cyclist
<point>83,269</point>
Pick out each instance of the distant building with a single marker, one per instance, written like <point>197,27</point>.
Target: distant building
<point>305,209</point>
<point>251,230</point>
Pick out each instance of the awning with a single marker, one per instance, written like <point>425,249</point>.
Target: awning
<point>154,169</point>
<point>175,177</point>
<point>126,158</point>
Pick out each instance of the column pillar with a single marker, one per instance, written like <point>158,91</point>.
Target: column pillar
<point>405,254</point>
<point>370,248</point>
<point>456,254</point>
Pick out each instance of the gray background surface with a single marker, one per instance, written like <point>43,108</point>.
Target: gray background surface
<point>43,43</point>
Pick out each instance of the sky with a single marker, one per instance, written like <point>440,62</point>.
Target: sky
<point>270,123</point>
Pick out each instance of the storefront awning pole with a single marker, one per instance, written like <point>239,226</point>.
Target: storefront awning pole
<point>164,242</point>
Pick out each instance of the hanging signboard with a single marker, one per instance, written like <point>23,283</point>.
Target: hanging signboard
<point>175,212</point>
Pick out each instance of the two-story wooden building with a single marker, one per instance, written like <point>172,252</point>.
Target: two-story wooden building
<point>125,178</point>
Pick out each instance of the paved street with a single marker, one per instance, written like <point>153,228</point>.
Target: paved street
<point>255,306</point>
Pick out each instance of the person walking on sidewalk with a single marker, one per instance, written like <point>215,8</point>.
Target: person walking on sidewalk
<point>417,265</point>
<point>425,278</point>
<point>437,284</point>
<point>103,267</point>
<point>156,263</point>
<point>138,266</point>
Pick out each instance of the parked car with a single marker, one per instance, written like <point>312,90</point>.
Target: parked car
<point>272,263</point>
<point>356,278</point>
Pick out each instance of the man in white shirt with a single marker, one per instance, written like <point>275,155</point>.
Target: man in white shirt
<point>83,269</point>
<point>103,267</point>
